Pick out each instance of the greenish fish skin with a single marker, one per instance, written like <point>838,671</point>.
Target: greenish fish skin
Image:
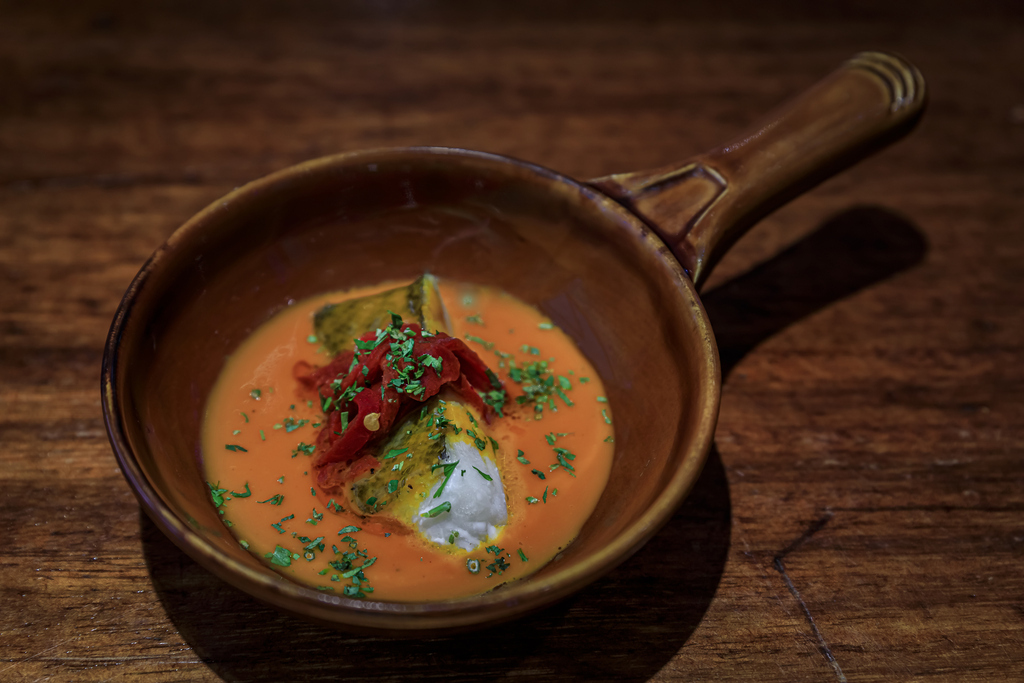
<point>336,325</point>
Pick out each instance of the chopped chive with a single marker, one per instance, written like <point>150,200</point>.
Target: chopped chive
<point>442,508</point>
<point>246,417</point>
<point>522,555</point>
<point>235,447</point>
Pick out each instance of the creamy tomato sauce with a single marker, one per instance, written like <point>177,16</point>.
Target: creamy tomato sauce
<point>260,428</point>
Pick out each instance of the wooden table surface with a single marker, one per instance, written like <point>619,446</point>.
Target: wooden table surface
<point>861,516</point>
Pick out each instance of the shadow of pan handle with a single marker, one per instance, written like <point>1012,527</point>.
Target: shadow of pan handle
<point>852,251</point>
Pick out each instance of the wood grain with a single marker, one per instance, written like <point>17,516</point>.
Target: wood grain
<point>861,515</point>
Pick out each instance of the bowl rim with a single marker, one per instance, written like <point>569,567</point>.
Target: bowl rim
<point>367,616</point>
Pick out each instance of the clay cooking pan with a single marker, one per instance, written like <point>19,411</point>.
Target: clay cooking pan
<point>615,262</point>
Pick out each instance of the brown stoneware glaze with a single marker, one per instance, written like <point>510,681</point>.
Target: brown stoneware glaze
<point>593,256</point>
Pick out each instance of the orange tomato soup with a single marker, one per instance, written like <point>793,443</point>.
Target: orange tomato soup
<point>260,424</point>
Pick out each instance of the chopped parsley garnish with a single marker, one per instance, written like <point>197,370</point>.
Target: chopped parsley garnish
<point>545,326</point>
<point>255,393</point>
<point>235,447</point>
<point>246,417</point>
<point>475,319</point>
<point>500,564</point>
<point>217,494</point>
<point>281,556</point>
<point>291,424</point>
<point>273,500</point>
<point>483,474</point>
<point>564,457</point>
<point>522,459</point>
<point>486,344</point>
<point>522,555</point>
<point>538,385</point>
<point>604,414</point>
<point>247,493</point>
<point>539,473</point>
<point>531,500</point>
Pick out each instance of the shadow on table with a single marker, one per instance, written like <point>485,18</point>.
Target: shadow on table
<point>626,626</point>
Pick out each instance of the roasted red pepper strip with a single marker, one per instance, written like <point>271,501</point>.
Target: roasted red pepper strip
<point>366,385</point>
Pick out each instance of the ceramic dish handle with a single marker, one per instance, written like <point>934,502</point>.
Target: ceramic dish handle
<point>703,205</point>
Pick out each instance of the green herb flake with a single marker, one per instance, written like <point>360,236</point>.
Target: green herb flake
<point>522,555</point>
<point>217,494</point>
<point>483,474</point>
<point>255,393</point>
<point>584,380</point>
<point>531,500</point>
<point>273,500</point>
<point>486,344</point>
<point>604,414</point>
<point>550,438</point>
<point>602,399</point>
<point>311,339</point>
<point>281,557</point>
<point>609,439</point>
<point>539,473</point>
<point>545,326</point>
<point>392,486</point>
<point>349,530</point>
<point>246,417</point>
<point>522,459</point>
<point>244,544</point>
<point>394,452</point>
<point>475,319</point>
<point>235,448</point>
<point>545,496</point>
<point>494,444</point>
<point>263,437</point>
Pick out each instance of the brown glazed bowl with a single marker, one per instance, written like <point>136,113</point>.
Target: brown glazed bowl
<point>614,262</point>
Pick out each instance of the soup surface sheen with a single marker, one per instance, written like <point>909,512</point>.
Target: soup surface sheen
<point>260,427</point>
